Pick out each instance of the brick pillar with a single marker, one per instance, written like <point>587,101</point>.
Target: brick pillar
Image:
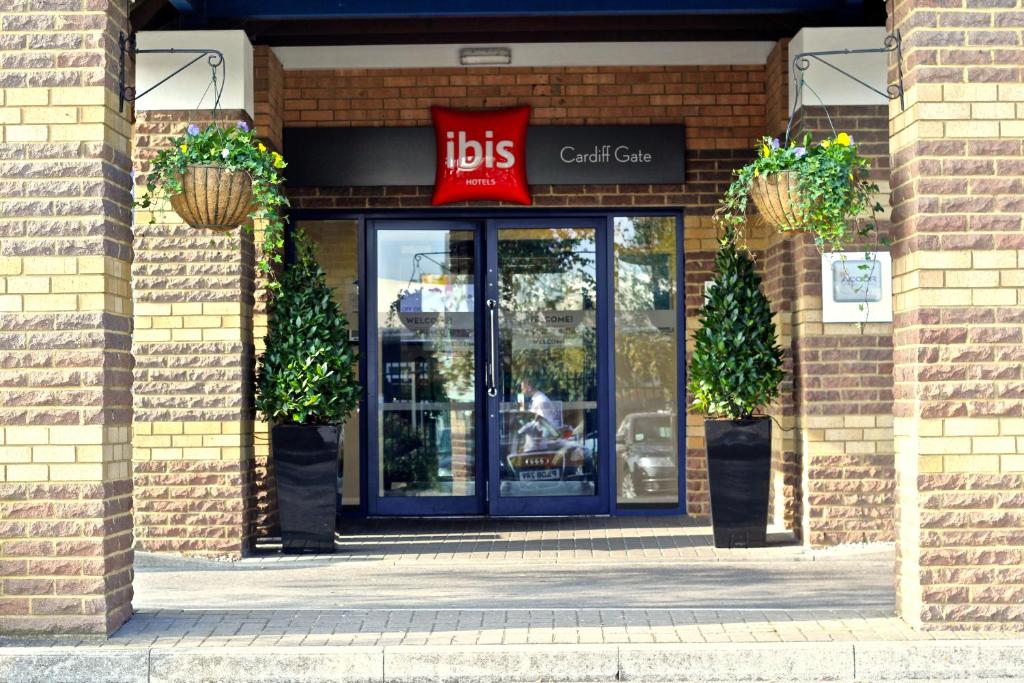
<point>65,323</point>
<point>776,261</point>
<point>194,293</point>
<point>958,183</point>
<point>833,477</point>
<point>269,109</point>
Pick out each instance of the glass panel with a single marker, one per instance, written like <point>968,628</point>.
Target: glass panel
<point>338,253</point>
<point>547,284</point>
<point>426,360</point>
<point>646,391</point>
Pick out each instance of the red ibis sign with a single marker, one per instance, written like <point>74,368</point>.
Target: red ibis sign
<point>481,155</point>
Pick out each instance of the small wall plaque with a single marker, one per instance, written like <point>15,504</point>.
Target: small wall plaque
<point>856,287</point>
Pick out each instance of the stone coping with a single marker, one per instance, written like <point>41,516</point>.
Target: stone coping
<point>843,662</point>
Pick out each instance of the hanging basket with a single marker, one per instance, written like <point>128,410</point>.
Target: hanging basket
<point>213,198</point>
<point>777,197</point>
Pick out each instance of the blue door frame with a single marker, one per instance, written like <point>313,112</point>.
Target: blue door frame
<point>486,223</point>
<point>601,502</point>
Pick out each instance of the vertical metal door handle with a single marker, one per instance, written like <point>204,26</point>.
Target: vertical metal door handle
<point>492,348</point>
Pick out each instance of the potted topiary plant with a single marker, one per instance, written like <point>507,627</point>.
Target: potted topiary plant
<point>306,386</point>
<point>814,187</point>
<point>214,178</point>
<point>735,372</point>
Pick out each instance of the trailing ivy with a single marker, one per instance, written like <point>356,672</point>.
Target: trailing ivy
<point>833,181</point>
<point>736,365</point>
<point>238,149</point>
<point>307,373</point>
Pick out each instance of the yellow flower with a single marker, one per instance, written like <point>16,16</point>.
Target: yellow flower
<point>278,160</point>
<point>765,151</point>
<point>261,147</point>
<point>826,143</point>
<point>184,148</point>
<point>756,172</point>
<point>843,139</point>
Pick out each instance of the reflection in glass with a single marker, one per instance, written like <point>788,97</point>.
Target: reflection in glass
<point>426,360</point>
<point>547,287</point>
<point>337,251</point>
<point>646,390</point>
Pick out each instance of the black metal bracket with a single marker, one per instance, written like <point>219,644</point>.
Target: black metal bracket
<point>892,43</point>
<point>129,48</point>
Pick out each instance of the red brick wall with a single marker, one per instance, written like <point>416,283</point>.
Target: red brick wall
<point>722,106</point>
<point>268,95</point>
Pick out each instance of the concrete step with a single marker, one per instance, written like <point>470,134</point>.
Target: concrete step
<point>845,662</point>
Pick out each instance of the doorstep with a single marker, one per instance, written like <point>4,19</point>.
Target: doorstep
<point>871,661</point>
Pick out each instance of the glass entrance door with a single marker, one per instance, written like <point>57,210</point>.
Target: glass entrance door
<point>426,446</point>
<point>484,356</point>
<point>542,368</point>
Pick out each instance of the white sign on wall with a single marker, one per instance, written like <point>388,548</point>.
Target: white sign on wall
<point>856,287</point>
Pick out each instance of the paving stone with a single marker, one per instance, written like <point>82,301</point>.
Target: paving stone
<point>306,665</point>
<point>37,665</point>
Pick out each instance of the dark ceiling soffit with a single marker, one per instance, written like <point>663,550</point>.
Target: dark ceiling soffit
<point>530,29</point>
<point>328,9</point>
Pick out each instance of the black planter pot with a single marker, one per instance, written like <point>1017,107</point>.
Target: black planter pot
<point>306,470</point>
<point>739,466</point>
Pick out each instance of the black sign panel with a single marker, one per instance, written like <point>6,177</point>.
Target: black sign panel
<point>555,155</point>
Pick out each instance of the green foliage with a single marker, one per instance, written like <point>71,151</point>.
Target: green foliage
<point>737,365</point>
<point>833,182</point>
<point>237,149</point>
<point>307,374</point>
<point>411,459</point>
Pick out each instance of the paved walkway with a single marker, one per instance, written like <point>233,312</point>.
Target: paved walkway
<point>642,599</point>
<point>450,582</point>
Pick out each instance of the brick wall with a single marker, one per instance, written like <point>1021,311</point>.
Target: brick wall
<point>722,106</point>
<point>193,344</point>
<point>777,82</point>
<point>842,373</point>
<point>268,95</point>
<point>958,200</point>
<point>65,322</point>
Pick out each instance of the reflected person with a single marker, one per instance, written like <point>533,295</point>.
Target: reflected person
<point>539,404</point>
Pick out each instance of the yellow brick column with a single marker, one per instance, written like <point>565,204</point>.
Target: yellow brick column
<point>65,323</point>
<point>958,196</point>
<point>193,345</point>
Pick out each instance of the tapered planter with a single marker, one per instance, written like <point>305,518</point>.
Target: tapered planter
<point>739,466</point>
<point>306,469</point>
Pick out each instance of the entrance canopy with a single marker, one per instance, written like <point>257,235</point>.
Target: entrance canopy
<point>319,22</point>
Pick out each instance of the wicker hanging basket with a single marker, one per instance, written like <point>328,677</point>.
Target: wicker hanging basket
<point>213,198</point>
<point>777,197</point>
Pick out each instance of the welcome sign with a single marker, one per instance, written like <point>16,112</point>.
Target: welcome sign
<point>554,155</point>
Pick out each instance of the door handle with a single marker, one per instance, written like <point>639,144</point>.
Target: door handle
<point>492,348</point>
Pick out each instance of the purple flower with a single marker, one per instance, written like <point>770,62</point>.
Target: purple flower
<point>852,143</point>
<point>243,126</point>
<point>799,152</point>
<point>775,144</point>
<point>193,129</point>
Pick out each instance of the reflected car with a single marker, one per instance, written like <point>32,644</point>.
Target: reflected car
<point>535,450</point>
<point>647,448</point>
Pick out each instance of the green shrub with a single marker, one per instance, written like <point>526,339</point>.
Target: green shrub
<point>307,374</point>
<point>736,366</point>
